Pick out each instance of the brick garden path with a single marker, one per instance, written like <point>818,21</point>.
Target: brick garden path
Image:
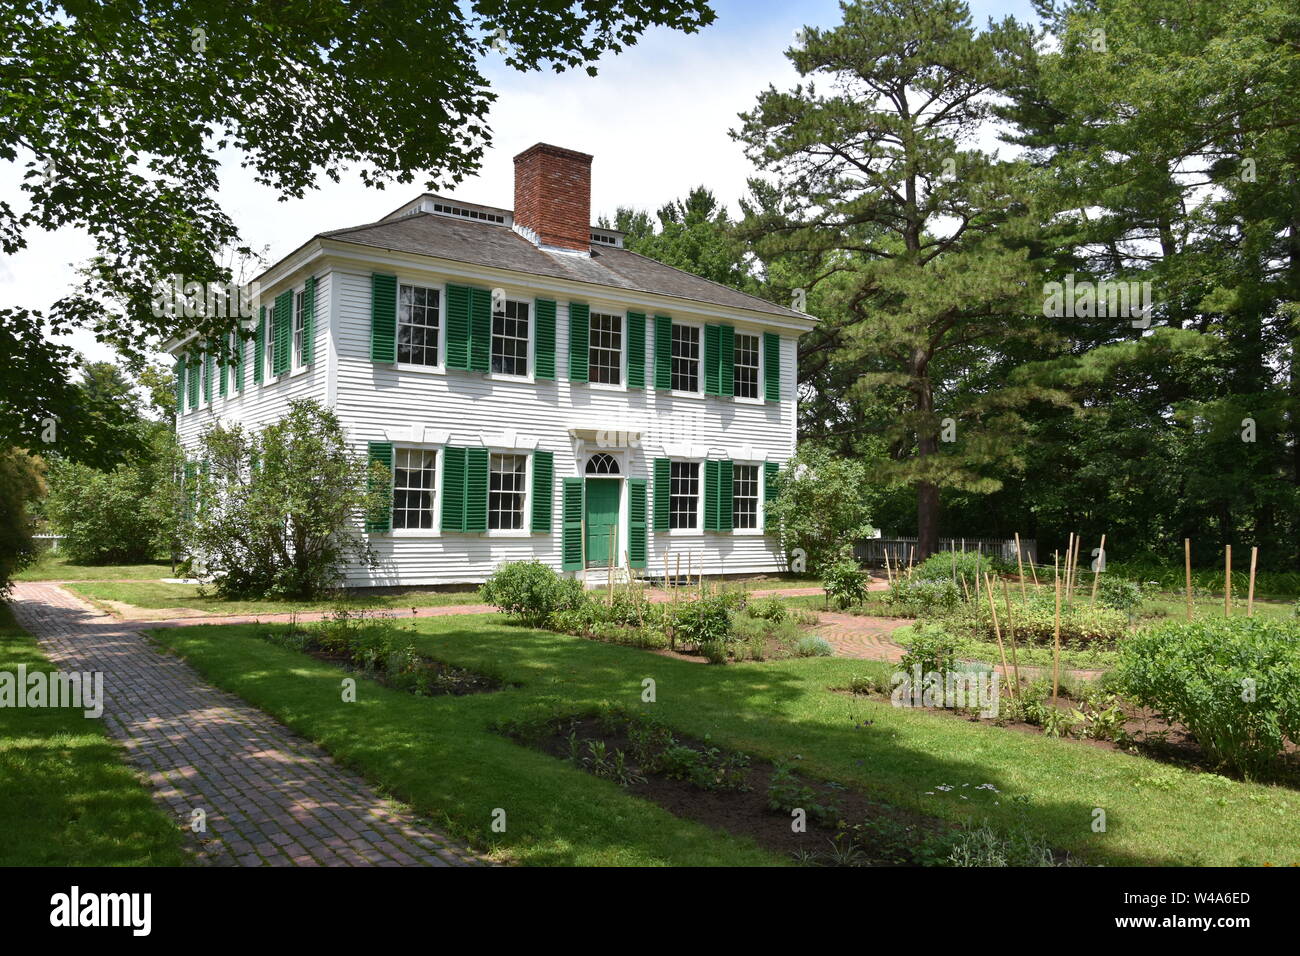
<point>270,796</point>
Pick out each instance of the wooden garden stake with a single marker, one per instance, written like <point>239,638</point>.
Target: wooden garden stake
<point>1250,596</point>
<point>1020,563</point>
<point>993,611</point>
<point>1227,580</point>
<point>965,589</point>
<point>1011,635</point>
<point>609,574</point>
<point>677,577</point>
<point>1187,563</point>
<point>888,573</point>
<point>911,553</point>
<point>1101,563</point>
<point>1056,643</point>
<point>1034,571</point>
<point>1069,553</point>
<point>1074,566</point>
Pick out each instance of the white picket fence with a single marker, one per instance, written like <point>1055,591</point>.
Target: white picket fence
<point>872,551</point>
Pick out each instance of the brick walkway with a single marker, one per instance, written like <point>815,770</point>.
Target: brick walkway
<point>270,796</point>
<point>866,638</point>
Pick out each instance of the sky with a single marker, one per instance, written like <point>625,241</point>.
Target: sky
<point>656,119</point>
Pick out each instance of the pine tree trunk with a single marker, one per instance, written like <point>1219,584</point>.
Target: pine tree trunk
<point>927,444</point>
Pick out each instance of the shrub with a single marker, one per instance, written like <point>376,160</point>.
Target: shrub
<point>923,596</point>
<point>715,652</point>
<point>1119,593</point>
<point>533,593</point>
<point>970,565</point>
<point>100,513</point>
<point>1034,623</point>
<point>931,648</point>
<point>822,501</point>
<point>1234,683</point>
<point>769,609</point>
<point>20,485</point>
<point>704,620</point>
<point>844,582</point>
<point>813,646</point>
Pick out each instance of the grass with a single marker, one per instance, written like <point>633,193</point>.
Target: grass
<point>154,595</point>
<point>55,567</point>
<point>67,798</point>
<point>441,756</point>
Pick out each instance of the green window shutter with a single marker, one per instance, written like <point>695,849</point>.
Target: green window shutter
<point>480,330</point>
<point>726,360</point>
<point>453,489</point>
<point>239,360</point>
<point>771,367</point>
<point>571,526</point>
<point>381,519</point>
<point>209,364</point>
<point>663,481</point>
<point>636,522</point>
<point>711,495</point>
<point>476,489</point>
<point>543,486</point>
<point>579,335</point>
<point>770,487</point>
<point>663,353</point>
<point>283,359</point>
<point>710,360</point>
<point>458,297</point>
<point>544,319</point>
<point>636,350</point>
<point>383,318</point>
<point>309,321</point>
<point>223,365</point>
<point>192,377</point>
<point>259,346</point>
<point>726,495</point>
<point>180,384</point>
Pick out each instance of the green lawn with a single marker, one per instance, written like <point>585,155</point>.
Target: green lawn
<point>53,567</point>
<point>441,756</point>
<point>160,595</point>
<point>67,798</point>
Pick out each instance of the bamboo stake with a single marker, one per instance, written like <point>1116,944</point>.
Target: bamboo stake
<point>1034,571</point>
<point>1187,563</point>
<point>1056,644</point>
<point>888,573</point>
<point>1074,566</point>
<point>1011,634</point>
<point>609,574</point>
<point>965,589</point>
<point>677,577</point>
<point>1250,597</point>
<point>1227,580</point>
<point>1101,563</point>
<point>1069,553</point>
<point>1020,564</point>
<point>997,631</point>
<point>911,553</point>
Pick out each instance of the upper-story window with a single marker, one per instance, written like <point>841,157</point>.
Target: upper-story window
<point>270,344</point>
<point>744,496</point>
<point>417,325</point>
<point>746,370</point>
<point>510,338</point>
<point>605,352</point>
<point>507,476</point>
<point>299,325</point>
<point>686,358</point>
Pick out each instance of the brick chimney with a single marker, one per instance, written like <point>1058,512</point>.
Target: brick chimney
<point>553,196</point>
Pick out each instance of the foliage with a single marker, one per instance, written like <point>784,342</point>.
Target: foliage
<point>1119,593</point>
<point>100,512</point>
<point>279,512</point>
<point>918,596</point>
<point>21,485</point>
<point>845,582</point>
<point>1035,622</point>
<point>931,649</point>
<point>531,591</point>
<point>957,565</point>
<point>814,645</point>
<point>704,620</point>
<point>822,502</point>
<point>983,846</point>
<point>1234,683</point>
<point>787,791</point>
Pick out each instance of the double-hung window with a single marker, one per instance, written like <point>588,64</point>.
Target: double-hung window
<point>605,353</point>
<point>417,325</point>
<point>510,338</point>
<point>507,483</point>
<point>684,495</point>
<point>414,474</point>
<point>744,496</point>
<point>745,380</point>
<point>299,318</point>
<point>686,358</point>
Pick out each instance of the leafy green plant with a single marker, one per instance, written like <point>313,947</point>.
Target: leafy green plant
<point>813,645</point>
<point>920,596</point>
<point>787,791</point>
<point>1234,683</point>
<point>931,649</point>
<point>984,846</point>
<point>715,652</point>
<point>704,620</point>
<point>533,592</point>
<point>769,609</point>
<point>845,582</point>
<point>1119,593</point>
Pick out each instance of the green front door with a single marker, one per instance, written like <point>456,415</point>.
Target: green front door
<point>602,521</point>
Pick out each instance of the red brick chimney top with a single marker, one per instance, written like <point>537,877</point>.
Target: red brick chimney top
<point>553,196</point>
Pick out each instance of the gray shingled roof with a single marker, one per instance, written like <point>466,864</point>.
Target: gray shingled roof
<point>486,244</point>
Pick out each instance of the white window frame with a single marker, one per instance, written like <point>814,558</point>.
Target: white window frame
<point>698,529</point>
<point>269,378</point>
<point>759,476</point>
<point>621,385</point>
<point>530,363</point>
<point>297,329</point>
<point>441,289</point>
<point>524,530</point>
<point>758,397</point>
<point>699,372</point>
<point>436,529</point>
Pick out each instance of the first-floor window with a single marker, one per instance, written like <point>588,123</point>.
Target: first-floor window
<point>417,325</point>
<point>686,358</point>
<point>299,320</point>
<point>746,367</point>
<point>506,483</point>
<point>744,484</point>
<point>414,471</point>
<point>605,352</point>
<point>510,339</point>
<point>684,495</point>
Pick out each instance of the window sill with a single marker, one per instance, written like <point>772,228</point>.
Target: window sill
<point>605,386</point>
<point>674,393</point>
<point>505,377</point>
<point>426,369</point>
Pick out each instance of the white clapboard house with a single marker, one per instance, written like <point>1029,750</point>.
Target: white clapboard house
<point>537,390</point>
